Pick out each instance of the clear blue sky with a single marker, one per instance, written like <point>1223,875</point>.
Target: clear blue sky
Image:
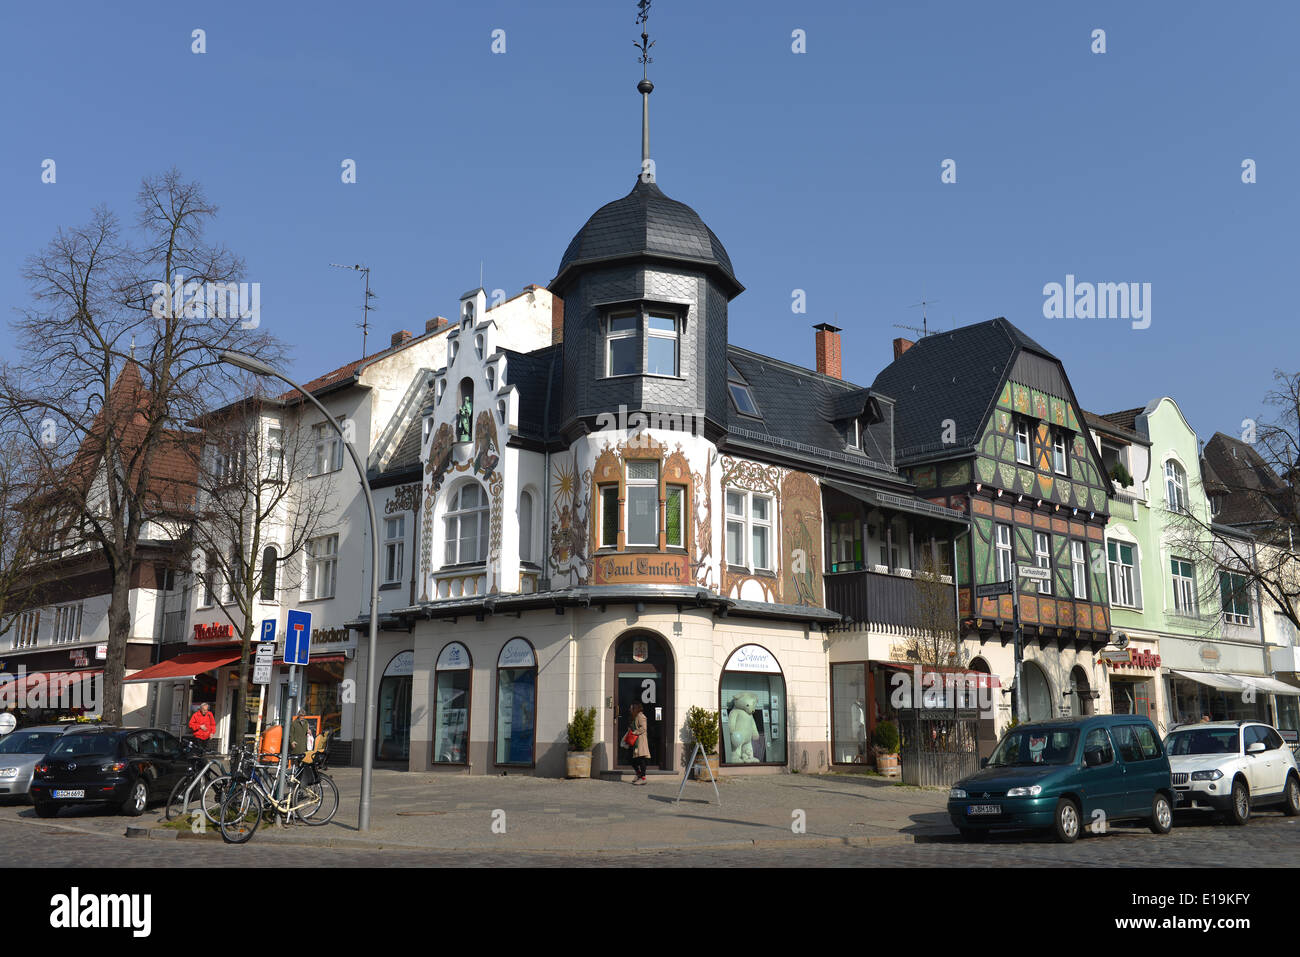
<point>818,171</point>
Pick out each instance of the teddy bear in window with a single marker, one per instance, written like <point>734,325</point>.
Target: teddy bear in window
<point>742,728</point>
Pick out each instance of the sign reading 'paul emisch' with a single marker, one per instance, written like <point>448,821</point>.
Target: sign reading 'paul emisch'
<point>651,569</point>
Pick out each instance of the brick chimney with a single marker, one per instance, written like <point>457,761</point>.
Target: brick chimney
<point>901,346</point>
<point>400,336</point>
<point>557,320</point>
<point>434,324</point>
<point>828,349</point>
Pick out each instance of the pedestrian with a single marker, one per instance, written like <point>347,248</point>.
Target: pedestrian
<point>300,734</point>
<point>640,750</point>
<point>1205,719</point>
<point>203,725</point>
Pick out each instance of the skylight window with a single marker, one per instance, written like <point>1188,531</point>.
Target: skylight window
<point>740,394</point>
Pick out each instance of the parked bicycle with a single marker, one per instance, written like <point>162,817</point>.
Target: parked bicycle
<point>310,797</point>
<point>204,769</point>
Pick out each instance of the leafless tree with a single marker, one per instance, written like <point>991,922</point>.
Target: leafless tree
<point>27,532</point>
<point>117,350</point>
<point>253,495</point>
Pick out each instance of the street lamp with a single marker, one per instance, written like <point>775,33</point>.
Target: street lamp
<point>257,366</point>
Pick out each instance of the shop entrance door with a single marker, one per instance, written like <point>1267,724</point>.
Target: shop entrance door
<point>394,729</point>
<point>645,688</point>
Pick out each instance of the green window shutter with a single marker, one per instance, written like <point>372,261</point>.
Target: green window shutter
<point>673,517</point>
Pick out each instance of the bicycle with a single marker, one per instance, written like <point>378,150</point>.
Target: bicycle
<point>204,768</point>
<point>312,799</point>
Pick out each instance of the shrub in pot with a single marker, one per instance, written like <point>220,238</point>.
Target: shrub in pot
<point>703,726</point>
<point>582,735</point>
<point>885,739</point>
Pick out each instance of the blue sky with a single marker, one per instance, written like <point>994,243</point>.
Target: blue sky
<point>819,171</point>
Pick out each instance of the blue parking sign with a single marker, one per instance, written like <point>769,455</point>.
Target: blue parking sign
<point>268,629</point>
<point>297,641</point>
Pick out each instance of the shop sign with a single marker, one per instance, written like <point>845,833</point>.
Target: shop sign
<point>1210,654</point>
<point>329,634</point>
<point>403,664</point>
<point>455,657</point>
<point>213,632</point>
<point>640,650</point>
<point>516,654</point>
<point>101,652</point>
<point>642,569</point>
<point>752,658</point>
<point>1132,658</point>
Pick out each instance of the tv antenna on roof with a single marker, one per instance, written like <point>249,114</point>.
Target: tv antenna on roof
<point>924,328</point>
<point>365,305</point>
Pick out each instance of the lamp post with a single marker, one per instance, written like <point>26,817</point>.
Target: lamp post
<point>257,366</point>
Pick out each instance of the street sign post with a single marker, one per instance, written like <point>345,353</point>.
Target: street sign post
<point>297,651</point>
<point>1034,573</point>
<point>993,590</point>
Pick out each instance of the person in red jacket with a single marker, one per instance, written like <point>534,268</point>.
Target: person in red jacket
<point>203,725</point>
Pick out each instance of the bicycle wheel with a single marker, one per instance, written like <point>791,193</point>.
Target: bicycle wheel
<point>319,801</point>
<point>176,800</point>
<point>212,797</point>
<point>240,814</point>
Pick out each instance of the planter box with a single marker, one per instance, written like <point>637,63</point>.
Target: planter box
<point>578,764</point>
<point>700,773</point>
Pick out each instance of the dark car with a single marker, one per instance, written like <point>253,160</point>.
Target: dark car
<point>1067,774</point>
<point>117,767</point>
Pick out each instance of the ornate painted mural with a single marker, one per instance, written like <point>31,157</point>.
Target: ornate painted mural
<point>801,534</point>
<point>569,519</point>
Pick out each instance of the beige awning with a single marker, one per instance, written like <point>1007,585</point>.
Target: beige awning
<point>1268,685</point>
<point>1212,679</point>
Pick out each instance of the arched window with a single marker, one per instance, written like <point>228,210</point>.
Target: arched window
<point>1175,486</point>
<point>269,559</point>
<point>752,729</point>
<point>516,725</point>
<point>466,525</point>
<point>465,411</point>
<point>478,346</point>
<point>526,526</point>
<point>451,696</point>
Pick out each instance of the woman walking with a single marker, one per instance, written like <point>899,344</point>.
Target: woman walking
<point>640,750</point>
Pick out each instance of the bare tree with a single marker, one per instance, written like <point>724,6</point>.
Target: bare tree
<point>119,348</point>
<point>253,497</point>
<point>936,641</point>
<point>28,533</point>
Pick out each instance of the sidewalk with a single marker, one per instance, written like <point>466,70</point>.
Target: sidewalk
<point>458,812</point>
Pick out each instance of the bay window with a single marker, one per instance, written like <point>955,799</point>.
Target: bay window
<point>466,526</point>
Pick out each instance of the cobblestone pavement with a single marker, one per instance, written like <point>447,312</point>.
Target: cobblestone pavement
<point>1270,840</point>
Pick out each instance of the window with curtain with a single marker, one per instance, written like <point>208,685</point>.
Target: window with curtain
<point>466,525</point>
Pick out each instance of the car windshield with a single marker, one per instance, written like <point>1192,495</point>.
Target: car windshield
<point>1029,746</point>
<point>84,745</point>
<point>1202,741</point>
<point>28,742</point>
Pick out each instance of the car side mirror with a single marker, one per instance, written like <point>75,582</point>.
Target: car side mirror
<point>1256,748</point>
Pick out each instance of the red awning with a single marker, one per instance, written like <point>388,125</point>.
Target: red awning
<point>186,666</point>
<point>978,679</point>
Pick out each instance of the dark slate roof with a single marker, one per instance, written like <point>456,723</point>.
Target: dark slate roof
<point>1127,419</point>
<point>950,375</point>
<point>645,222</point>
<point>1245,480</point>
<point>539,377</point>
<point>798,408</point>
<point>1110,425</point>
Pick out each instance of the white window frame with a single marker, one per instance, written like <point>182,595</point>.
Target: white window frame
<point>1175,486</point>
<point>27,629</point>
<point>1233,617</point>
<point>394,548</point>
<point>641,483</point>
<point>1043,559</point>
<point>526,526</point>
<point>1022,426</point>
<point>675,336</point>
<point>610,335</point>
<point>855,434</point>
<point>67,623</point>
<point>1122,576</point>
<point>1184,582</point>
<point>456,515</point>
<point>748,523</point>
<point>275,454</point>
<point>1004,553</point>
<point>326,442</point>
<point>1079,568</point>
<point>1060,454</point>
<point>322,567</point>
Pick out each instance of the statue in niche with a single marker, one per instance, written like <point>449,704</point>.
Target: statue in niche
<point>464,419</point>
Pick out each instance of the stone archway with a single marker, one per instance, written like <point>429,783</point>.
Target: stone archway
<point>1037,693</point>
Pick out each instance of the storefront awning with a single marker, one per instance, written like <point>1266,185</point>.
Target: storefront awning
<point>1212,679</point>
<point>978,679</point>
<point>902,503</point>
<point>185,666</point>
<point>1267,685</point>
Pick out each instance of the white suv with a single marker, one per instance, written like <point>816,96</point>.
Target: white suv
<point>1232,766</point>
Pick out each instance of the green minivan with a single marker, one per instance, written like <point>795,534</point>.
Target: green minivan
<point>1067,774</point>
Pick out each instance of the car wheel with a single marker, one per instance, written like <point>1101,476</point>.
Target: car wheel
<point>1162,815</point>
<point>1067,821</point>
<point>47,810</point>
<point>1239,810</point>
<point>1291,802</point>
<point>136,801</point>
<point>973,835</point>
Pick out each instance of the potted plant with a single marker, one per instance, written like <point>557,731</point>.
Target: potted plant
<point>582,734</point>
<point>703,726</point>
<point>885,738</point>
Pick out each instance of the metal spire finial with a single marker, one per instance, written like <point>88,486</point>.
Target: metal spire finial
<point>645,87</point>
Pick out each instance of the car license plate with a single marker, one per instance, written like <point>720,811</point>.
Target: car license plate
<point>69,794</point>
<point>984,809</point>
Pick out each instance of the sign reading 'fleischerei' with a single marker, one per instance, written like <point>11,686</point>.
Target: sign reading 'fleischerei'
<point>642,569</point>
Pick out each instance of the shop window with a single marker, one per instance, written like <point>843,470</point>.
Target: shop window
<point>451,700</point>
<point>752,708</point>
<point>516,708</point>
<point>394,729</point>
<point>849,710</point>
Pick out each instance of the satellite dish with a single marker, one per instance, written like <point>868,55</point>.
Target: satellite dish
<point>7,723</point>
<point>1120,640</point>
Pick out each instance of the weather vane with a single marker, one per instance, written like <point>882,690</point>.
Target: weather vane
<point>643,18</point>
